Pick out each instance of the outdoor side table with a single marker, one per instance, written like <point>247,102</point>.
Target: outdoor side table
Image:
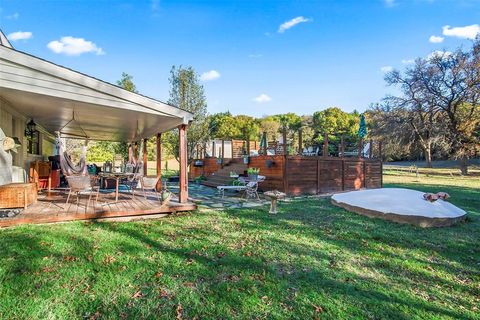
<point>274,196</point>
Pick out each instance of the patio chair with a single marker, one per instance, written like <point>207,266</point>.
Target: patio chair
<point>251,190</point>
<point>149,183</point>
<point>132,181</point>
<point>82,184</point>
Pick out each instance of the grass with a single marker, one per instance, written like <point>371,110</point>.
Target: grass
<point>312,260</point>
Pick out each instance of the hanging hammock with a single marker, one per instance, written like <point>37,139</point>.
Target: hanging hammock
<point>68,167</point>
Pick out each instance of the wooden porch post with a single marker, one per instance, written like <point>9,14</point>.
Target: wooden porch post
<point>145,159</point>
<point>183,178</point>
<point>135,151</point>
<point>231,144</point>
<point>214,151</point>
<point>300,138</point>
<point>159,161</point>
<point>130,153</point>
<point>248,147</point>
<point>284,137</point>
<point>380,150</point>
<point>325,145</point>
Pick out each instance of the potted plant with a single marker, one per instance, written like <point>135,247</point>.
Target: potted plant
<point>199,179</point>
<point>253,173</point>
<point>165,195</point>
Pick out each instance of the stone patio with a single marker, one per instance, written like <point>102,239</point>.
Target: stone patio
<point>207,197</point>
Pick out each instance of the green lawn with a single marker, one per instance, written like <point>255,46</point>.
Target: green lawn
<point>312,260</point>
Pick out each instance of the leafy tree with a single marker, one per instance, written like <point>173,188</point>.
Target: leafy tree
<point>248,126</point>
<point>223,126</point>
<point>270,125</point>
<point>334,121</point>
<point>126,82</point>
<point>188,94</point>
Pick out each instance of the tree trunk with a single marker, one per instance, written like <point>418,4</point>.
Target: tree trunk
<point>463,161</point>
<point>428,156</point>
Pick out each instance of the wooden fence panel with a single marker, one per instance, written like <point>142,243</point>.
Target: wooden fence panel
<point>373,174</point>
<point>353,171</point>
<point>302,175</point>
<point>330,176</point>
<point>273,175</point>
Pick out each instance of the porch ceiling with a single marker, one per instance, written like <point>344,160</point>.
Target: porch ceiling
<point>52,95</point>
<point>98,122</point>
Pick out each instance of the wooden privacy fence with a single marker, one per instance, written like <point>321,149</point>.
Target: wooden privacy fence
<point>297,175</point>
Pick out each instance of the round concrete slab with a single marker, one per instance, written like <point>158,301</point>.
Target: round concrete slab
<point>400,205</point>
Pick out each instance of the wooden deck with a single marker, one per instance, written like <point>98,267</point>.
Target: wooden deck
<point>52,208</point>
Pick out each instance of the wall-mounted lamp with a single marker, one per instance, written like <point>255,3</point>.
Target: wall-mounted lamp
<point>30,129</point>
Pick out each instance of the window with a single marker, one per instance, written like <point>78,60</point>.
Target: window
<point>34,143</point>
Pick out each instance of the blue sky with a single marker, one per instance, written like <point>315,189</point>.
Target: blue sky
<point>256,57</point>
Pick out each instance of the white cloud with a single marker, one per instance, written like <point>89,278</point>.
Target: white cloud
<point>255,55</point>
<point>390,3</point>
<point>439,53</point>
<point>262,98</point>
<point>210,75</point>
<point>436,39</point>
<point>72,46</point>
<point>14,16</point>
<point>291,23</point>
<point>386,69</point>
<point>467,32</point>
<point>408,61</point>
<point>19,35</point>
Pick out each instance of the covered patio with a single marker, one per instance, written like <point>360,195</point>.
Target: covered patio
<point>70,104</point>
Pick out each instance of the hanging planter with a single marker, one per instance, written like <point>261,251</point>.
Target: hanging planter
<point>269,163</point>
<point>198,163</point>
<point>219,160</point>
<point>246,159</point>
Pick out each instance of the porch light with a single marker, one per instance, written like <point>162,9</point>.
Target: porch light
<point>30,129</point>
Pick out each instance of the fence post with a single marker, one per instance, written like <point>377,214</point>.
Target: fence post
<point>370,150</point>
<point>223,151</point>
<point>300,147</point>
<point>325,145</point>
<point>360,147</point>
<point>265,145</point>
<point>342,146</point>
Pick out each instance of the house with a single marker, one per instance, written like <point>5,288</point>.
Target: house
<point>51,96</point>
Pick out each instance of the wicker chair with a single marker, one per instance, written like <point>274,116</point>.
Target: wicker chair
<point>82,184</point>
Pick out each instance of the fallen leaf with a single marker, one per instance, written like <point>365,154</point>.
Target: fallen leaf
<point>179,312</point>
<point>158,274</point>
<point>137,294</point>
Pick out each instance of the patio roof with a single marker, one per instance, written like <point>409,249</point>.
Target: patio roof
<point>52,95</point>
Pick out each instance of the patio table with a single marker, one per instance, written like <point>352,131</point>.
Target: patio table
<point>117,176</point>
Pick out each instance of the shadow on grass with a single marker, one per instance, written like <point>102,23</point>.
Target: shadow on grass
<point>307,249</point>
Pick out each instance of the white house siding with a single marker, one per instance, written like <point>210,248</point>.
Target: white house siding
<point>13,125</point>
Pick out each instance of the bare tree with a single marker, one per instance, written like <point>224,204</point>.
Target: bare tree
<point>441,94</point>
